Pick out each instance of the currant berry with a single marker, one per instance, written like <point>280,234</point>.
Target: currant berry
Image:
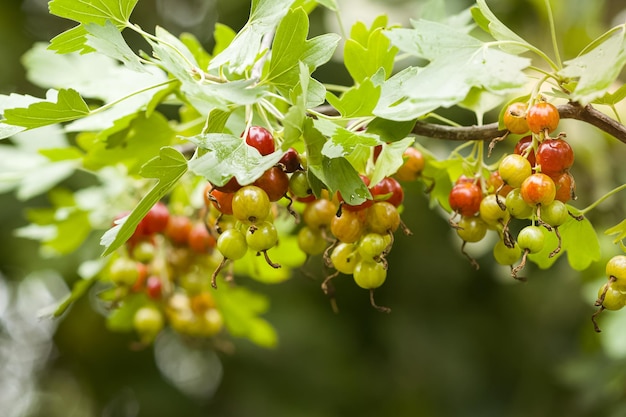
<point>616,268</point>
<point>531,238</point>
<point>382,218</point>
<point>471,229</point>
<point>514,169</point>
<point>148,322</point>
<point>491,210</point>
<point>522,148</point>
<point>465,198</point>
<point>299,186</point>
<point>344,257</point>
<point>230,187</point>
<point>554,156</point>
<point>123,271</point>
<point>311,241</point>
<point>412,166</point>
<point>261,237</point>
<point>178,229</point>
<point>538,189</point>
<point>154,287</point>
<point>232,244</point>
<point>516,206</point>
<point>251,204</point>
<point>542,116</point>
<point>515,118</point>
<point>555,213</point>
<point>319,213</point>
<point>144,251</point>
<point>349,226</point>
<point>155,221</point>
<point>369,274</point>
<point>565,186</point>
<point>274,182</point>
<point>222,201</point>
<point>290,162</point>
<point>260,138</point>
<point>388,189</point>
<point>613,298</point>
<point>371,245</point>
<point>200,240</point>
<point>505,255</point>
<point>495,183</point>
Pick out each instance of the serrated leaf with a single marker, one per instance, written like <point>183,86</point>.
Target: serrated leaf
<point>390,130</point>
<point>364,59</point>
<point>389,159</point>
<point>244,49</point>
<point>488,22</point>
<point>72,40</point>
<point>579,241</point>
<point>344,142</point>
<point>107,40</point>
<point>619,232</point>
<point>358,101</point>
<point>167,169</point>
<point>339,175</point>
<point>229,156</point>
<point>458,62</point>
<point>69,106</point>
<point>598,67</point>
<point>440,174</point>
<point>612,98</point>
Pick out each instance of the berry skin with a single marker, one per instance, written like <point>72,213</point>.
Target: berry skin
<point>156,219</point>
<point>531,238</point>
<point>261,237</point>
<point>616,267</point>
<point>491,212</point>
<point>154,287</point>
<point>516,206</point>
<point>465,198</point>
<point>148,322</point>
<point>505,255</point>
<point>495,183</point>
<point>369,274</point>
<point>515,118</point>
<point>412,167</point>
<point>382,218</point>
<point>614,299</point>
<point>222,201</point>
<point>522,145</point>
<point>554,156</point>
<point>565,186</point>
<point>311,241</point>
<point>371,245</point>
<point>514,169</point>
<point>232,244</point>
<point>124,271</point>
<point>538,189</point>
<point>274,182</point>
<point>391,189</point>
<point>344,258</point>
<point>348,227</point>
<point>319,213</point>
<point>260,138</point>
<point>230,187</point>
<point>251,204</point>
<point>472,229</point>
<point>542,116</point>
<point>555,213</point>
<point>290,162</point>
<point>299,186</point>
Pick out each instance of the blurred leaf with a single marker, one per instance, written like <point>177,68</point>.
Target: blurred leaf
<point>612,98</point>
<point>78,290</point>
<point>197,50</point>
<point>230,156</point>
<point>107,40</point>
<point>488,22</point>
<point>598,67</point>
<point>458,62</point>
<point>69,106</point>
<point>619,232</point>
<point>167,168</point>
<point>244,49</point>
<point>389,159</point>
<point>439,175</point>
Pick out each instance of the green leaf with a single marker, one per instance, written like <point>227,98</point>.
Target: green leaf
<point>107,40</point>
<point>241,308</point>
<point>244,49</point>
<point>458,62</point>
<point>339,175</point>
<point>598,67</point>
<point>69,106</point>
<point>619,230</point>
<point>613,98</point>
<point>344,142</point>
<point>390,130</point>
<point>369,51</point>
<point>579,241</point>
<point>167,168</point>
<point>358,101</point>
<point>389,159</point>
<point>230,156</point>
<point>79,289</point>
<point>440,174</point>
<point>488,22</point>
<point>72,40</point>
<point>194,46</point>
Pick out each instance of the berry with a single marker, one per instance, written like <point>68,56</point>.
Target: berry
<point>495,183</point>
<point>472,229</point>
<point>349,226</point>
<point>521,149</point>
<point>542,116</point>
<point>505,255</point>
<point>465,198</point>
<point>555,213</point>
<point>148,322</point>
<point>531,238</point>
<point>200,240</point>
<point>251,204</point>
<point>369,274</point>
<point>412,167</point>
<point>565,186</point>
<point>274,182</point>
<point>344,258</point>
<point>516,205</point>
<point>514,169</point>
<point>616,268</point>
<point>230,187</point>
<point>554,156</point>
<point>155,221</point>
<point>515,118</point>
<point>299,185</point>
<point>311,241</point>
<point>154,287</point>
<point>491,212</point>
<point>538,189</point>
<point>232,244</point>
<point>290,162</point>
<point>124,271</point>
<point>382,218</point>
<point>222,201</point>
<point>388,189</point>
<point>261,237</point>
<point>261,139</point>
<point>371,245</point>
<point>319,213</point>
<point>178,229</point>
<point>613,298</point>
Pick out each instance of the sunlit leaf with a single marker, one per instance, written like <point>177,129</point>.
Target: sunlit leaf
<point>69,106</point>
<point>107,40</point>
<point>488,22</point>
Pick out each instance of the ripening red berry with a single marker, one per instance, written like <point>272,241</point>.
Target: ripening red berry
<point>290,161</point>
<point>274,182</point>
<point>538,189</point>
<point>465,198</point>
<point>222,201</point>
<point>515,118</point>
<point>154,287</point>
<point>199,239</point>
<point>521,146</point>
<point>554,156</point>
<point>155,221</point>
<point>178,229</point>
<point>412,167</point>
<point>542,116</point>
<point>261,139</point>
<point>230,187</point>
<point>565,186</point>
<point>388,189</point>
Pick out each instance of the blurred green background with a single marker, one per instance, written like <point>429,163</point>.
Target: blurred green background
<point>459,342</point>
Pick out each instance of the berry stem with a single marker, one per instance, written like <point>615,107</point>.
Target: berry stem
<point>382,309</point>
<point>601,199</point>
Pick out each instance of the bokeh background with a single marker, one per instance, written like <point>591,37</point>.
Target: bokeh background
<point>459,342</point>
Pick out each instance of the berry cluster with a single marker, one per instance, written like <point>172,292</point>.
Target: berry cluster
<point>612,295</point>
<point>533,183</point>
<point>159,268</point>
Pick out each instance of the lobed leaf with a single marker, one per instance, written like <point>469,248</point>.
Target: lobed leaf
<point>488,22</point>
<point>69,106</point>
<point>107,40</point>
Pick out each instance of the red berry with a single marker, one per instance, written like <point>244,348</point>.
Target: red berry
<point>178,229</point>
<point>290,161</point>
<point>542,116</point>
<point>154,287</point>
<point>412,167</point>
<point>222,201</point>
<point>565,186</point>
<point>538,189</point>
<point>274,182</point>
<point>554,156</point>
<point>388,189</point>
<point>465,198</point>
<point>522,145</point>
<point>261,139</point>
<point>199,239</point>
<point>230,187</point>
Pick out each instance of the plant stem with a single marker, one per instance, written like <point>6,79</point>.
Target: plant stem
<point>601,199</point>
<point>555,45</point>
<point>134,93</point>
